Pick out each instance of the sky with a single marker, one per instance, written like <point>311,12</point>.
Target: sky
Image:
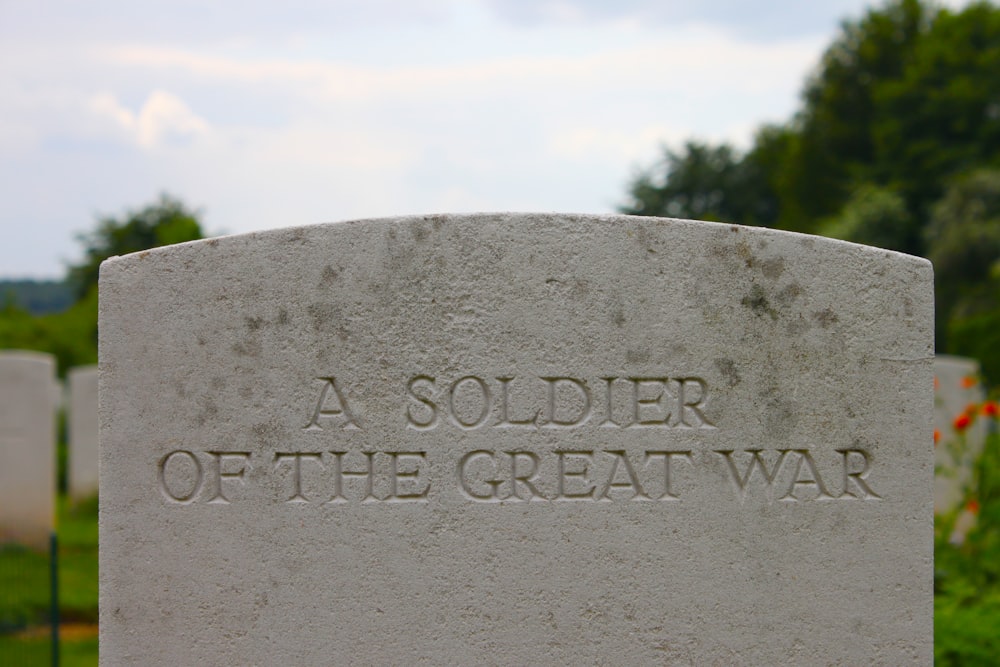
<point>262,114</point>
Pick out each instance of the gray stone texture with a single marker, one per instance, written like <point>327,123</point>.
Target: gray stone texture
<point>516,439</point>
<point>83,432</point>
<point>28,403</point>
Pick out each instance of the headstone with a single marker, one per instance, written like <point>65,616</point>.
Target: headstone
<point>83,430</point>
<point>28,400</point>
<point>516,439</point>
<point>957,392</point>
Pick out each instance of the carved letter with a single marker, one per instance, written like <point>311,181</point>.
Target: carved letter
<point>413,422</point>
<point>638,403</point>
<point>667,493</point>
<point>505,421</point>
<point>220,460</point>
<point>633,479</point>
<point>396,475</point>
<point>564,475</point>
<point>755,461</point>
<point>584,391</point>
<point>857,477</point>
<point>324,412</point>
<point>339,474</point>
<point>463,480</point>
<point>183,498</point>
<point>686,405</point>
<point>609,421</point>
<point>525,478</point>
<point>814,480</point>
<point>296,458</point>
<point>484,412</point>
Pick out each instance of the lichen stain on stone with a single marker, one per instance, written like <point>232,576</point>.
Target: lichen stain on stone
<point>637,356</point>
<point>327,317</point>
<point>329,276</point>
<point>758,303</point>
<point>773,268</point>
<point>253,323</point>
<point>825,318</point>
<point>745,253</point>
<point>782,418</point>
<point>789,294</point>
<point>729,372</point>
<point>282,316</point>
<point>246,349</point>
<point>266,432</point>
<point>420,233</point>
<point>798,326</point>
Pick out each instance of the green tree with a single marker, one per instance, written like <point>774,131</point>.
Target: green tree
<point>942,117</point>
<point>875,216</point>
<point>833,148</point>
<point>703,182</point>
<point>165,222</point>
<point>963,238</point>
<point>71,335</point>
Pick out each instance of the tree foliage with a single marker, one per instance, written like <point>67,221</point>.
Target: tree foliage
<point>704,182</point>
<point>165,222</point>
<point>71,334</point>
<point>896,144</point>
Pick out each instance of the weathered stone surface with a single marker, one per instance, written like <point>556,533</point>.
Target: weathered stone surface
<point>516,439</point>
<point>28,401</point>
<point>83,432</point>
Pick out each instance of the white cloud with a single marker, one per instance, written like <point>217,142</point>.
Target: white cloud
<point>469,113</point>
<point>163,119</point>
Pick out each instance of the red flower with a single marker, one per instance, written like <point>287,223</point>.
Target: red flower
<point>962,422</point>
<point>991,409</point>
<point>968,382</point>
<point>972,506</point>
<point>937,436</point>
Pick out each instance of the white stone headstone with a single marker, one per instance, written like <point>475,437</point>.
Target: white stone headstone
<point>957,391</point>
<point>83,432</point>
<point>516,439</point>
<point>28,401</point>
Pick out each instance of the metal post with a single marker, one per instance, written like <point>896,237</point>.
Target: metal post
<point>54,584</point>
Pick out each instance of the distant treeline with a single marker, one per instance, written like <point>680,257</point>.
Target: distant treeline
<point>37,297</point>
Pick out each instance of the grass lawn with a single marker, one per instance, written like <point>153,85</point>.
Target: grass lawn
<point>25,595</point>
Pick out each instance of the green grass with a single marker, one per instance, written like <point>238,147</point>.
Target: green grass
<point>25,595</point>
<point>37,651</point>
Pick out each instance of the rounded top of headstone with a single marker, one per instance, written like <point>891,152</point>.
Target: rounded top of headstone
<point>523,223</point>
<point>27,357</point>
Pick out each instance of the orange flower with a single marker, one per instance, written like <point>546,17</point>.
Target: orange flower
<point>991,409</point>
<point>937,436</point>
<point>962,422</point>
<point>968,382</point>
<point>972,506</point>
<point>971,409</point>
<point>936,383</point>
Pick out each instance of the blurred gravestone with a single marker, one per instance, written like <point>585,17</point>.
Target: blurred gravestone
<point>28,403</point>
<point>82,432</point>
<point>957,392</point>
<point>516,439</point>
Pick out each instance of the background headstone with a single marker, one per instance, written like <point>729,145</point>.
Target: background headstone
<point>956,388</point>
<point>28,403</point>
<point>82,422</point>
<point>517,439</point>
